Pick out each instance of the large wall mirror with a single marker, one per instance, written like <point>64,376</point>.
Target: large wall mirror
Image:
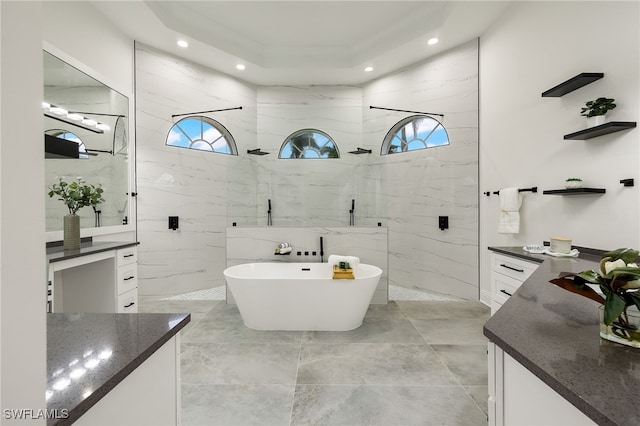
<point>83,110</point>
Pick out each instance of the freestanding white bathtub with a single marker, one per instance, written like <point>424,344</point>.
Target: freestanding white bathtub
<point>301,296</point>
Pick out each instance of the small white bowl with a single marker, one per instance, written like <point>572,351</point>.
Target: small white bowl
<point>573,184</point>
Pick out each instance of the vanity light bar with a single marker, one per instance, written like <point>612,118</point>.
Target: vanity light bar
<point>73,118</point>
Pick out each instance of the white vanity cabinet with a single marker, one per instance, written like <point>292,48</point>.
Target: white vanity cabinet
<point>518,397</point>
<point>127,280</point>
<point>507,274</point>
<point>98,278</point>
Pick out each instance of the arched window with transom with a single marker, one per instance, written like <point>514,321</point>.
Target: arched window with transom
<point>201,133</point>
<point>413,133</point>
<point>309,143</point>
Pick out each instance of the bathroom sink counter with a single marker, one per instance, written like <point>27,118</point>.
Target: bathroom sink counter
<point>58,253</point>
<point>555,334</point>
<point>108,347</point>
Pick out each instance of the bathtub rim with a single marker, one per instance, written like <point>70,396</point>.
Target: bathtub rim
<point>375,271</point>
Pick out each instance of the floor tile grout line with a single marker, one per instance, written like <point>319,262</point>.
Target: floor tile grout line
<point>458,380</point>
<point>295,384</point>
<point>381,385</point>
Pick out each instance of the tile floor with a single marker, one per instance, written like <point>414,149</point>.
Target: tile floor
<point>410,363</point>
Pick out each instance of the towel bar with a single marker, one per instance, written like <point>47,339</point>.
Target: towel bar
<point>532,189</point>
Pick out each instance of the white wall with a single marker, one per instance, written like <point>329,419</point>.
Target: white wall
<point>80,31</point>
<point>535,46</point>
<point>22,242</point>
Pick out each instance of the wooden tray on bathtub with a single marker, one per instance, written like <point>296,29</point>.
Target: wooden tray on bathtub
<point>342,274</point>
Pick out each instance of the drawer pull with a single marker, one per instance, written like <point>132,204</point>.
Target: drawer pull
<point>128,255</point>
<point>129,305</point>
<point>511,267</point>
<point>505,292</point>
<point>127,279</point>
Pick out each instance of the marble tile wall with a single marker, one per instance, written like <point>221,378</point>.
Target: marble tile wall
<point>313,191</point>
<point>257,244</point>
<point>415,188</point>
<point>406,193</point>
<point>190,184</point>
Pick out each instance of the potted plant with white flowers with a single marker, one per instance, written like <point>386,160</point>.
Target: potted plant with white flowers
<point>75,195</point>
<point>619,280</point>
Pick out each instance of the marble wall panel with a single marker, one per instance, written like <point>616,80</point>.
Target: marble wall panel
<point>193,185</point>
<point>417,187</point>
<point>251,244</point>
<point>405,193</point>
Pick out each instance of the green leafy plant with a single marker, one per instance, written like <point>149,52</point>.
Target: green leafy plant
<point>599,106</point>
<point>77,194</point>
<point>619,281</point>
<point>574,180</point>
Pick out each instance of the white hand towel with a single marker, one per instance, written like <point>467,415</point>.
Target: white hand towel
<point>335,259</point>
<point>510,202</point>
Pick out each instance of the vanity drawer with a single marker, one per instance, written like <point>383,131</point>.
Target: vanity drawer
<point>513,267</point>
<point>127,256</point>
<point>504,287</point>
<point>127,278</point>
<point>128,302</point>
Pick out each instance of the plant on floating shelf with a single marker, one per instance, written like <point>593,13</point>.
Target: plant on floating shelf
<point>619,281</point>
<point>77,194</point>
<point>573,183</point>
<point>596,107</point>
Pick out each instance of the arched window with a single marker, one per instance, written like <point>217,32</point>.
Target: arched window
<point>70,136</point>
<point>415,132</point>
<point>202,133</point>
<point>309,143</point>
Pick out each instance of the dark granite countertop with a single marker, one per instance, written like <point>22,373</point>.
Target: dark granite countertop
<point>89,354</point>
<point>555,334</point>
<point>58,253</point>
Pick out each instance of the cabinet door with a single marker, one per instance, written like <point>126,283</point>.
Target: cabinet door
<point>128,302</point>
<point>513,267</point>
<point>503,287</point>
<point>127,278</point>
<point>529,401</point>
<point>127,256</point>
<point>149,396</point>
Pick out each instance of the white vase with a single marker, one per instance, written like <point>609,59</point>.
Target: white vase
<point>596,120</point>
<point>573,184</point>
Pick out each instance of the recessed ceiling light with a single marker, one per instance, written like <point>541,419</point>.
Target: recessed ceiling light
<point>240,67</point>
<point>368,69</point>
<point>183,43</point>
<point>432,41</point>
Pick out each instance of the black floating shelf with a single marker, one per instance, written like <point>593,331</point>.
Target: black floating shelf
<point>575,191</point>
<point>572,84</point>
<point>603,129</point>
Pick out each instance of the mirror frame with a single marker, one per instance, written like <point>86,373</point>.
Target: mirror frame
<point>128,93</point>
